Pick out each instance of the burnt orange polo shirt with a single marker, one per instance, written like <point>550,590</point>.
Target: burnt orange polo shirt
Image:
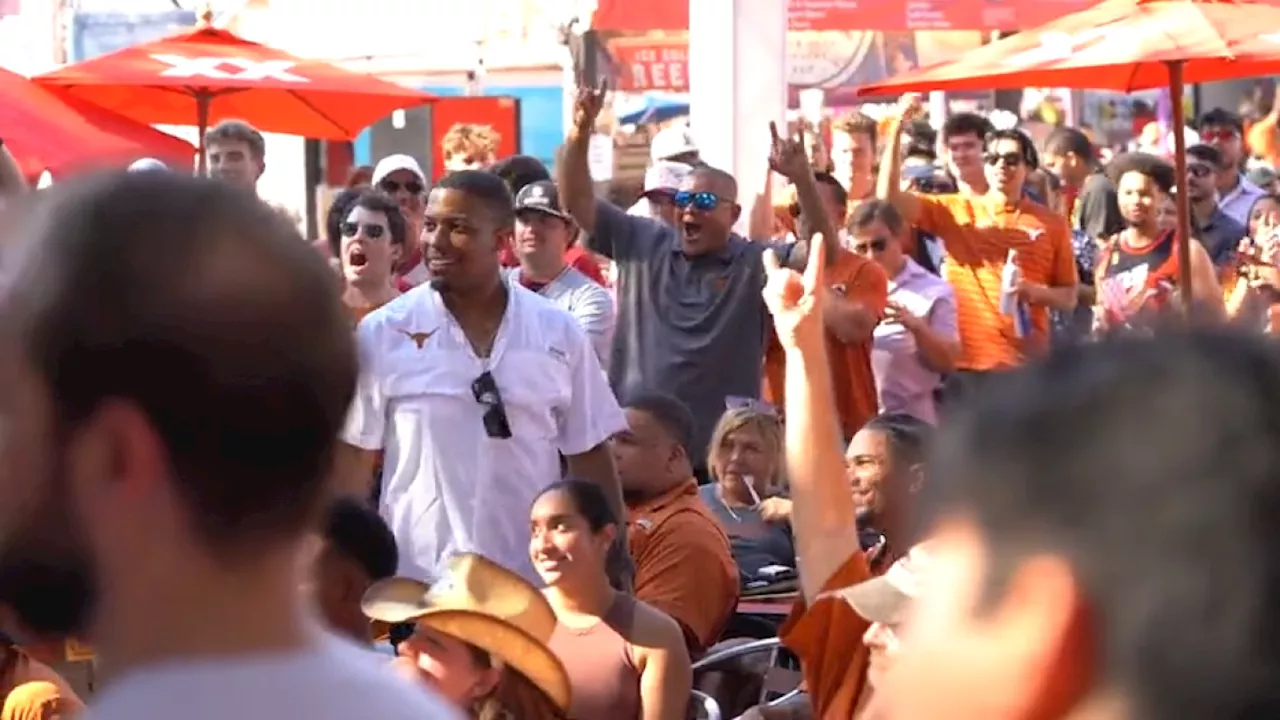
<point>852,380</point>
<point>827,637</point>
<point>684,566</point>
<point>978,234</point>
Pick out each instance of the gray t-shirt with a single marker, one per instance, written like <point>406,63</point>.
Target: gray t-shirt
<point>754,542</point>
<point>586,301</point>
<point>692,327</point>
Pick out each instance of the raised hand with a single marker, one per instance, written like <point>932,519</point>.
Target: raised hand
<point>587,106</point>
<point>787,156</point>
<point>794,299</point>
<point>910,107</point>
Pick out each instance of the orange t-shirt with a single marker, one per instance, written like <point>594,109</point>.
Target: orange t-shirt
<point>827,637</point>
<point>978,235</point>
<point>684,566</point>
<point>1262,141</point>
<point>863,281</point>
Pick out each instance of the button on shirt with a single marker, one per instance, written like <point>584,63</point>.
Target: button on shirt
<point>1239,202</point>
<point>904,383</point>
<point>692,326</point>
<point>446,486</point>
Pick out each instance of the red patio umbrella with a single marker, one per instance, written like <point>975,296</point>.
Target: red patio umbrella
<point>1122,45</point>
<point>206,75</point>
<point>47,131</point>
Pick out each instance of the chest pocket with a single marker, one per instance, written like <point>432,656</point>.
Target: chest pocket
<point>693,293</point>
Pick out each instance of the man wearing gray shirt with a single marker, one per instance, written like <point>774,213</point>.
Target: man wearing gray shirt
<point>543,233</point>
<point>691,319</point>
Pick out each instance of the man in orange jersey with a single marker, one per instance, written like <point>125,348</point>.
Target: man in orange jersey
<point>1009,259</point>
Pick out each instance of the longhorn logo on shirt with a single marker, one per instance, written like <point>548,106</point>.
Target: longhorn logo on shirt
<point>1033,234</point>
<point>418,338</point>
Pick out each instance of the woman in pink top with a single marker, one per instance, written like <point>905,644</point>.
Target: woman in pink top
<point>625,659</point>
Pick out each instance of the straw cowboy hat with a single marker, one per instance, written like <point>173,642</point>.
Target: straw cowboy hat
<point>483,604</point>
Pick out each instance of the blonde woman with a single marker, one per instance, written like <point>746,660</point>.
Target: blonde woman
<point>747,488</point>
<point>479,638</point>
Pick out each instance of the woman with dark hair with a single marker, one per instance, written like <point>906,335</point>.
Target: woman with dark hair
<point>1138,269</point>
<point>625,659</point>
<point>367,234</point>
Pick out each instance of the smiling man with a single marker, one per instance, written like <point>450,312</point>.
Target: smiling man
<point>473,387</point>
<point>237,153</point>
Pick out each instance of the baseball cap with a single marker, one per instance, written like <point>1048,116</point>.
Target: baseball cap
<point>542,197</point>
<point>885,599</point>
<point>670,142</point>
<point>1261,175</point>
<point>399,161</point>
<point>665,175</point>
<point>147,165</point>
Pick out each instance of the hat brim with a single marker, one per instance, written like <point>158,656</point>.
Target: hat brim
<point>395,600</point>
<point>543,211</point>
<point>877,600</point>
<point>513,646</point>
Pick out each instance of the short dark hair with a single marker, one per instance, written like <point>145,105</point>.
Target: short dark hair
<point>672,414</point>
<point>909,437</point>
<point>357,532</point>
<point>1221,118</point>
<point>374,201</point>
<point>838,193</point>
<point>1026,146</point>
<point>238,131</point>
<point>1208,154</point>
<point>920,150</point>
<point>1064,140</point>
<point>205,308</point>
<point>920,132</point>
<point>519,171</point>
<point>869,211</point>
<point>1154,167</point>
<point>588,499</point>
<point>487,188</point>
<point>1166,516</point>
<point>966,123</point>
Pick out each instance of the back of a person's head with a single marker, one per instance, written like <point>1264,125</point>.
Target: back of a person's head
<point>202,307</point>
<point>359,533</point>
<point>519,171</point>
<point>1064,140</point>
<point>1151,467</point>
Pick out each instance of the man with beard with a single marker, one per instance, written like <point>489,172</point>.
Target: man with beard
<point>174,369</point>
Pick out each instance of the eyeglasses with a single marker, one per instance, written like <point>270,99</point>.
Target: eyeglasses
<point>371,231</point>
<point>1199,170</point>
<point>485,390</point>
<point>1211,136</point>
<point>1010,159</point>
<point>877,245</point>
<point>740,402</point>
<point>391,187</point>
<point>703,201</point>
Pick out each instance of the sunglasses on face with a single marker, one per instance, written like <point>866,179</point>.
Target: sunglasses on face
<point>877,245</point>
<point>391,187</point>
<point>1198,170</point>
<point>703,201</point>
<point>485,390</point>
<point>1009,159</point>
<point>1218,136</point>
<point>371,231</point>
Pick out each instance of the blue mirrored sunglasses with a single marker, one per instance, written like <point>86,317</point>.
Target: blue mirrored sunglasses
<point>698,200</point>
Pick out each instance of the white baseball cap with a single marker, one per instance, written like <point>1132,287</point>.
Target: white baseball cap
<point>666,175</point>
<point>147,165</point>
<point>399,161</point>
<point>670,142</point>
<point>885,599</point>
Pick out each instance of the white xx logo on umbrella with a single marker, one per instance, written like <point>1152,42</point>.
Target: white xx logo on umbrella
<point>215,67</point>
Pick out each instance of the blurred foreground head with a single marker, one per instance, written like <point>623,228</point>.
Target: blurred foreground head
<point>174,368</point>
<point>1107,527</point>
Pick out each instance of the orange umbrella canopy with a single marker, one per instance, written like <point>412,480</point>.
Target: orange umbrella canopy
<point>46,131</point>
<point>1117,45</point>
<point>206,75</point>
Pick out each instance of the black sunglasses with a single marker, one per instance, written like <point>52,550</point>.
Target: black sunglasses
<point>391,187</point>
<point>371,231</point>
<point>1010,159</point>
<point>1199,170</point>
<point>877,245</point>
<point>485,390</point>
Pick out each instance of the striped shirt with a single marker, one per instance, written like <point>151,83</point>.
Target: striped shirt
<point>586,300</point>
<point>978,234</point>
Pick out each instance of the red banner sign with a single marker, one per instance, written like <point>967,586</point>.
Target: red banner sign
<point>852,15</point>
<point>651,65</point>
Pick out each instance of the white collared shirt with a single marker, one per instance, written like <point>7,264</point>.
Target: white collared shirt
<point>446,486</point>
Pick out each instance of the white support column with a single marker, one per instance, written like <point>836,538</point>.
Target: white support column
<point>737,84</point>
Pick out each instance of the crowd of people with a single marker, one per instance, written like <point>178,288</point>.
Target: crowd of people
<point>494,447</point>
